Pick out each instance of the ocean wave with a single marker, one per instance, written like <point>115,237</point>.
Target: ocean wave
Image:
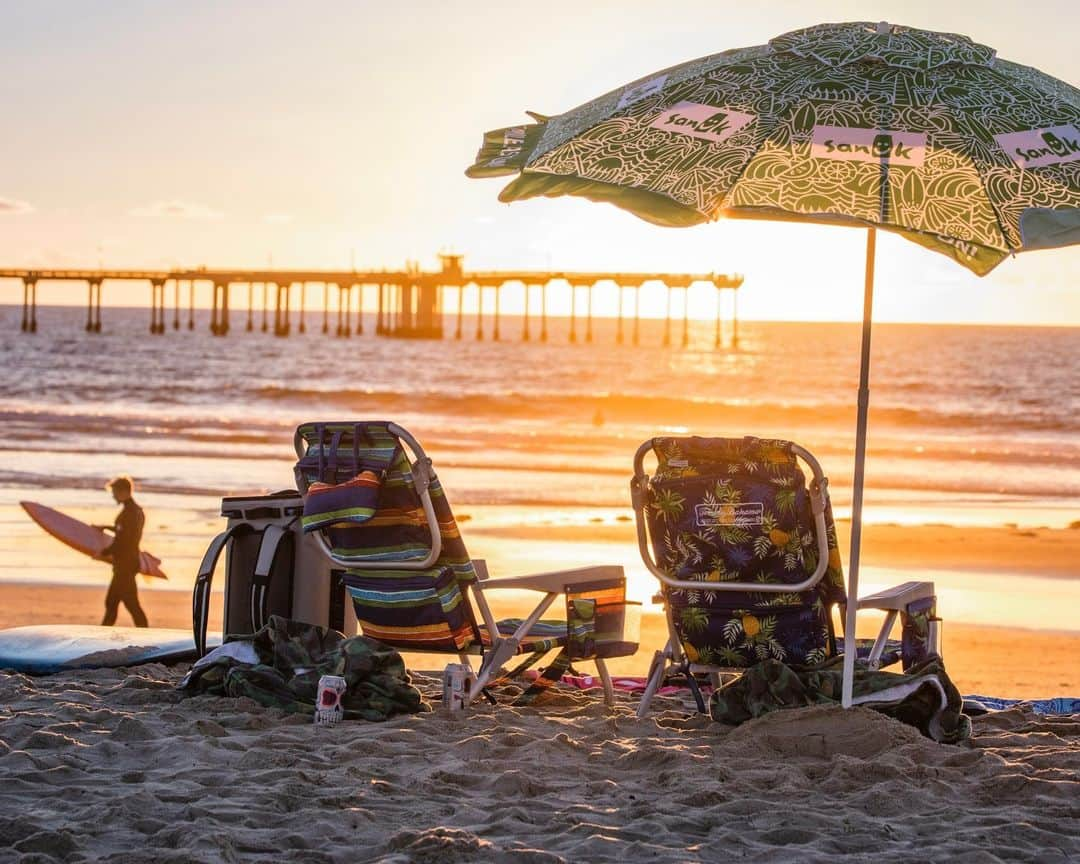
<point>692,410</point>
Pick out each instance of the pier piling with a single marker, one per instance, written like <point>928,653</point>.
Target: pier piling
<point>29,313</point>
<point>219,309</point>
<point>282,324</point>
<point>734,319</point>
<point>719,315</point>
<point>93,307</point>
<point>460,310</point>
<point>479,312</point>
<point>588,319</point>
<point>573,312</point>
<point>157,306</point>
<point>525,322</point>
<point>543,312</point>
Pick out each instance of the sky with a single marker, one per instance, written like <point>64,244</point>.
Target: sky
<point>219,134</point>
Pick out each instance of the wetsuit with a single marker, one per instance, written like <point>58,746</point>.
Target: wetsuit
<point>125,563</point>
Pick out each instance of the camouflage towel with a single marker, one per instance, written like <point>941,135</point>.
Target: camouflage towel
<point>923,696</point>
<point>280,667</point>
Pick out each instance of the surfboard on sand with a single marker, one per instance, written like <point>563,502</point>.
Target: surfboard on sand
<point>84,538</point>
<point>43,649</point>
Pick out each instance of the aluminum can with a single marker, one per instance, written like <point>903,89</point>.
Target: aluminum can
<point>328,708</point>
<point>455,678</point>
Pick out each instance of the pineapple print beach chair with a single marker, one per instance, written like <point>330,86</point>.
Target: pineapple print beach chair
<point>378,511</point>
<point>748,564</point>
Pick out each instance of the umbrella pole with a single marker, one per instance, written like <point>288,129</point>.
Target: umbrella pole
<point>857,484</point>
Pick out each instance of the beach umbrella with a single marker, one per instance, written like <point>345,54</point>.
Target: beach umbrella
<point>928,135</point>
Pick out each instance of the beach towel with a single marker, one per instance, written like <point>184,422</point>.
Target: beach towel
<point>280,665</point>
<point>923,696</point>
<point>976,704</point>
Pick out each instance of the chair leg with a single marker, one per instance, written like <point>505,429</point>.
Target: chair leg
<point>691,682</point>
<point>874,661</point>
<point>656,675</point>
<point>605,679</point>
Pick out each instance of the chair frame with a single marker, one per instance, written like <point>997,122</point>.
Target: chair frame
<point>892,600</point>
<point>551,584</point>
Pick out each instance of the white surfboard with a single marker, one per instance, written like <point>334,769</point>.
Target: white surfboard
<point>84,538</point>
<point>43,649</point>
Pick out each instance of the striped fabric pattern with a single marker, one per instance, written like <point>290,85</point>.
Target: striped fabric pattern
<point>543,637</point>
<point>330,503</point>
<point>415,609</point>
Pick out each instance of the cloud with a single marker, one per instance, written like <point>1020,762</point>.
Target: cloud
<point>278,218</point>
<point>13,207</point>
<point>180,210</point>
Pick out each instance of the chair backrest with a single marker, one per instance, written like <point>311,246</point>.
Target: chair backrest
<point>409,608</point>
<point>738,510</point>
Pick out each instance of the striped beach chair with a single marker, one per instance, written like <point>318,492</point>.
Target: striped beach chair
<point>748,563</point>
<point>412,583</point>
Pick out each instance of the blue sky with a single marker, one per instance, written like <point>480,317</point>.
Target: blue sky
<point>198,133</point>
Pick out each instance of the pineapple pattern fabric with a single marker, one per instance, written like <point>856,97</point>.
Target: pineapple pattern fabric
<point>738,510</point>
<point>928,135</point>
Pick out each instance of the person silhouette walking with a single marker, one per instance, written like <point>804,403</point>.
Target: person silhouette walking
<point>124,554</point>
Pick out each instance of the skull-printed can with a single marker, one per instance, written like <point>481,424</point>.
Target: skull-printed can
<point>455,679</point>
<point>328,707</point>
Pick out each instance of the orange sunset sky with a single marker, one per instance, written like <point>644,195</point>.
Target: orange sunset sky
<point>245,133</point>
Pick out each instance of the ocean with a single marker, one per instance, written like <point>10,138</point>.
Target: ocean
<point>971,427</point>
<point>968,424</point>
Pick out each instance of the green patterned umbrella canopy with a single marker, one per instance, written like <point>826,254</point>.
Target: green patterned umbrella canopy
<point>928,135</point>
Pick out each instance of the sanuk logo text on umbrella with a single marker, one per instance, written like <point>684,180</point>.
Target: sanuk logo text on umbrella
<point>892,146</point>
<point>702,121</point>
<point>1034,148</point>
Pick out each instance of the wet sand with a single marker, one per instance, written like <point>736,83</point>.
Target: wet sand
<point>992,661</point>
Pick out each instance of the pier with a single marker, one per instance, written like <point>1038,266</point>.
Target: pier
<point>407,303</point>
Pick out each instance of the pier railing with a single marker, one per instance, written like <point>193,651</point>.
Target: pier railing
<point>409,303</point>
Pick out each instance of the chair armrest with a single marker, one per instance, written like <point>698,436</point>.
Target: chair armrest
<point>898,596</point>
<point>554,581</point>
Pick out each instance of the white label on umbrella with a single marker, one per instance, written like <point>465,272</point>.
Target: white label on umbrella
<point>1034,148</point>
<point>637,92</point>
<point>512,144</point>
<point>891,146</point>
<point>702,121</point>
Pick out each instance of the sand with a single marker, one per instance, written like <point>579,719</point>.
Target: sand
<point>114,765</point>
